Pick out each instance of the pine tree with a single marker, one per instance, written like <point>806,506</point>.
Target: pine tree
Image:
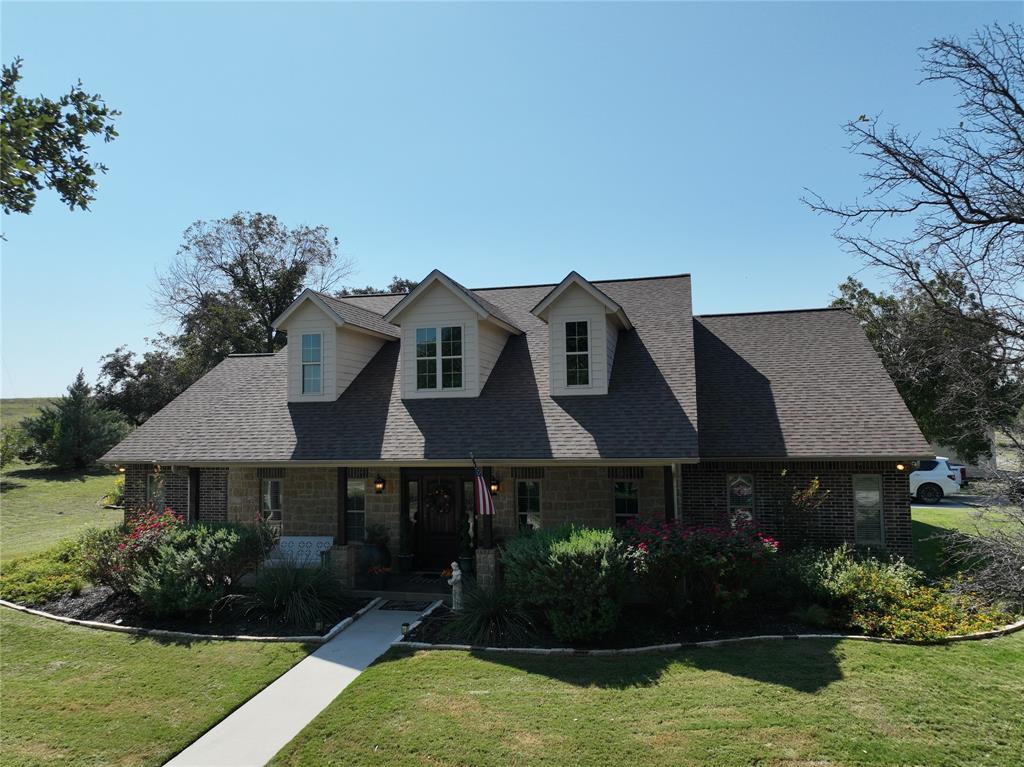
<point>74,432</point>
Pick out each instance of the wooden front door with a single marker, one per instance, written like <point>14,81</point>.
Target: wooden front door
<point>438,521</point>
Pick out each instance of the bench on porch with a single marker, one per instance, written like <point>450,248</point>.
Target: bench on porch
<point>300,550</point>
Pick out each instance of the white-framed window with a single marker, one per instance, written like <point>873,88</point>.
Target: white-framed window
<point>155,490</point>
<point>312,363</point>
<point>528,503</point>
<point>868,528</point>
<point>355,511</point>
<point>739,491</point>
<point>271,499</point>
<point>626,497</point>
<point>433,357</point>
<point>577,353</point>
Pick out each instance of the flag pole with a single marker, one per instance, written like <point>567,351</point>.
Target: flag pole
<point>487,536</point>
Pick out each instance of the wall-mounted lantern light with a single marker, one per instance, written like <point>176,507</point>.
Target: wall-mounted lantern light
<point>900,467</point>
<point>378,485</point>
<point>121,469</point>
<point>495,485</point>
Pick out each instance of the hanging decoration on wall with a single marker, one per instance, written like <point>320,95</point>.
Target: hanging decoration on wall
<point>439,499</point>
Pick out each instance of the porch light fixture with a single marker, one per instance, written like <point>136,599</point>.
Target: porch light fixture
<point>405,629</point>
<point>495,485</point>
<point>378,485</point>
<point>121,469</point>
<point>900,467</point>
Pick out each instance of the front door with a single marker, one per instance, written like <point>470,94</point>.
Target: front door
<point>438,521</point>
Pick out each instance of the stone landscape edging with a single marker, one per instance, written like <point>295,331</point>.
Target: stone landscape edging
<point>672,646</point>
<point>168,634</point>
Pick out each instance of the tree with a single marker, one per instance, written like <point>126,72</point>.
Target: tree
<point>137,386</point>
<point>75,431</point>
<point>942,365</point>
<point>44,144</point>
<point>945,218</point>
<point>963,194</point>
<point>12,444</point>
<point>397,285</point>
<point>250,266</point>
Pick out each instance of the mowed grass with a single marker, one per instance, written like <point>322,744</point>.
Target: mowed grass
<point>927,526</point>
<point>76,696</point>
<point>767,703</point>
<point>40,506</point>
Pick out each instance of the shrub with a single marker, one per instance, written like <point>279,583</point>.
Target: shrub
<point>116,495</point>
<point>112,557</point>
<point>289,595</point>
<point>12,444</point>
<point>490,617</point>
<point>880,597</point>
<point>574,576</point>
<point>697,572</point>
<point>43,577</point>
<point>176,582</point>
<point>194,566</point>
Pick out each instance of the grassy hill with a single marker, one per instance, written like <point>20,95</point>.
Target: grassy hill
<point>13,410</point>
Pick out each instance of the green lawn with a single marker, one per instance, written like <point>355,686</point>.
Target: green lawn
<point>767,703</point>
<point>39,506</point>
<point>928,523</point>
<point>75,696</point>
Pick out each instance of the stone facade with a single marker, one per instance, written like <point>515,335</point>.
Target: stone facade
<point>702,493</point>
<point>581,495</point>
<point>576,494</point>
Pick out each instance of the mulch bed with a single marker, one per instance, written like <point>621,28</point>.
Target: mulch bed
<point>639,627</point>
<point>101,604</point>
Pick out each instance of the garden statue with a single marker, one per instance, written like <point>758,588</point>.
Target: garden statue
<point>456,583</point>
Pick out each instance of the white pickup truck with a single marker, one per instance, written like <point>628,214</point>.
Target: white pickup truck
<point>934,479</point>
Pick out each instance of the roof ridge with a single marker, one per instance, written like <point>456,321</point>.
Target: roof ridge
<point>774,311</point>
<point>253,354</point>
<point>518,287</point>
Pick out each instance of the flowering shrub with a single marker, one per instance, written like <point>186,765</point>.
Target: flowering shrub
<point>111,557</point>
<point>696,572</point>
<point>881,597</point>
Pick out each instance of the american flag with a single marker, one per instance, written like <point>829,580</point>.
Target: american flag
<point>482,493</point>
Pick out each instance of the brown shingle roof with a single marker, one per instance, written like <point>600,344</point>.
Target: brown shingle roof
<point>360,316</point>
<point>803,384</point>
<point>798,384</point>
<point>239,411</point>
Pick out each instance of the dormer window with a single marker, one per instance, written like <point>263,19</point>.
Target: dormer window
<point>577,353</point>
<point>445,357</point>
<point>312,363</point>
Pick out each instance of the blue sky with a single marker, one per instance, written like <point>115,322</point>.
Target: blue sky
<point>501,143</point>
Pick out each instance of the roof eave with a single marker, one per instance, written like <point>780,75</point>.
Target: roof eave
<point>575,278</point>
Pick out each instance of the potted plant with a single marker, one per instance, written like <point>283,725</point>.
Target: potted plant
<point>375,553</point>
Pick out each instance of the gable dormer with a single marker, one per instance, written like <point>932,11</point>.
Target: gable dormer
<point>451,338</point>
<point>583,330</point>
<point>329,343</point>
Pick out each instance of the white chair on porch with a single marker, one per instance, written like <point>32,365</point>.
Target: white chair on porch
<point>300,550</point>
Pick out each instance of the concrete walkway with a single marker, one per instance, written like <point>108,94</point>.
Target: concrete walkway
<point>251,735</point>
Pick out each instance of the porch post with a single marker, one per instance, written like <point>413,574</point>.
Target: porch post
<point>405,555</point>
<point>341,535</point>
<point>670,495</point>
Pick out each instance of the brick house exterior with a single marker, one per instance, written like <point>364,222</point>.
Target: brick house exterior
<point>584,402</point>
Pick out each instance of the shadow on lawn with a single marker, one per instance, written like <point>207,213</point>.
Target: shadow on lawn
<point>804,665</point>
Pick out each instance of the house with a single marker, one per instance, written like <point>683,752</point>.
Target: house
<point>587,402</point>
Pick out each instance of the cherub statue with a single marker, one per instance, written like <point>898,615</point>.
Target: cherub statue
<point>456,583</point>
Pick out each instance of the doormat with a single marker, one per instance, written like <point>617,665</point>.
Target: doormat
<point>405,606</point>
